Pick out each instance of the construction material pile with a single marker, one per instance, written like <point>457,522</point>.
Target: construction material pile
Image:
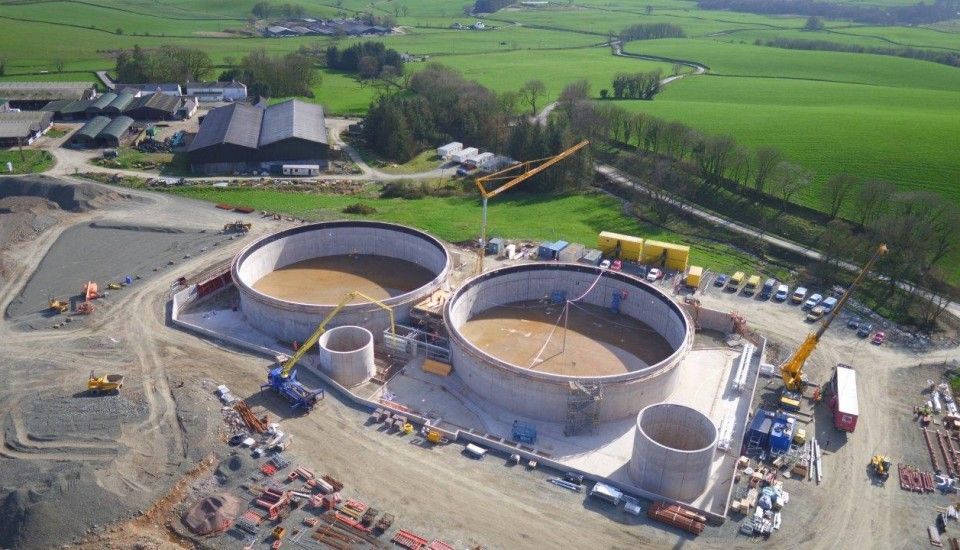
<point>258,425</point>
<point>212,515</point>
<point>677,516</point>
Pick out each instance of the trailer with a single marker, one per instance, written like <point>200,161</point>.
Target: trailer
<point>845,407</point>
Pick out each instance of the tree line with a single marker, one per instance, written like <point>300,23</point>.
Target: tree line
<point>438,105</point>
<point>920,13</point>
<point>167,63</point>
<point>635,85</point>
<point>490,6</point>
<point>368,59</point>
<point>677,161</point>
<point>263,10</point>
<point>279,75</point>
<point>942,57</point>
<point>651,31</point>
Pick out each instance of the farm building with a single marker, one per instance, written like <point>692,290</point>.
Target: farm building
<point>119,104</point>
<point>463,155</point>
<point>153,107</point>
<point>241,137</point>
<point>112,134</point>
<point>188,108</point>
<point>216,91</point>
<point>100,103</point>
<point>68,109</point>
<point>86,136</point>
<point>23,128</point>
<point>277,31</point>
<point>170,89</point>
<point>32,96</point>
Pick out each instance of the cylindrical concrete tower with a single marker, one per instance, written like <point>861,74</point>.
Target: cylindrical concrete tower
<point>346,355</point>
<point>673,449</point>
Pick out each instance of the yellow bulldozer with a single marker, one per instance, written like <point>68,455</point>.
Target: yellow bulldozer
<point>103,384</point>
<point>881,466</point>
<point>59,306</point>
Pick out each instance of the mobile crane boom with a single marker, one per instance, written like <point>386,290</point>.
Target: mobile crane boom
<point>282,378</point>
<point>792,370</point>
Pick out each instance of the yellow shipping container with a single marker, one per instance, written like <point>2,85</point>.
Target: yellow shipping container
<point>676,265</point>
<point>436,367</point>
<point>630,246</point>
<point>694,276</point>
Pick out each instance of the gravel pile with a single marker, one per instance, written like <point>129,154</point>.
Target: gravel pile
<point>68,196</point>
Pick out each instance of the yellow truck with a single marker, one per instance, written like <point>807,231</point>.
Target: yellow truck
<point>753,283</point>
<point>734,283</point>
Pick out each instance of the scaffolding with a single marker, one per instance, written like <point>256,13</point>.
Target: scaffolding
<point>583,408</point>
<point>410,342</point>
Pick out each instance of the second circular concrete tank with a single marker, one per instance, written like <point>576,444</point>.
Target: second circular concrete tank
<point>346,355</point>
<point>673,449</point>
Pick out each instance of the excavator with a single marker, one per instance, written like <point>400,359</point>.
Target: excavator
<point>527,170</point>
<point>59,306</point>
<point>237,227</point>
<point>792,370</point>
<point>283,378</point>
<point>881,466</point>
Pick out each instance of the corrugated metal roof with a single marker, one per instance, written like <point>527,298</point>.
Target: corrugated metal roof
<point>93,127</point>
<point>253,127</point>
<point>237,124</point>
<point>151,87</point>
<point>103,101</point>
<point>158,101</point>
<point>293,118</point>
<point>121,102</point>
<point>20,125</point>
<point>117,127</point>
<point>43,90</point>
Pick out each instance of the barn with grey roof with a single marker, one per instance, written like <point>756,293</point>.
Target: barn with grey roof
<point>241,137</point>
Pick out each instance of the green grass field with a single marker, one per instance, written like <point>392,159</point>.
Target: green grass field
<point>875,116</point>
<point>31,161</point>
<point>457,219</point>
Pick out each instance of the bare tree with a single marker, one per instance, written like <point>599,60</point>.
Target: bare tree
<point>871,198</point>
<point>713,154</point>
<point>837,190</point>
<point>740,166</point>
<point>531,92</point>
<point>787,180</point>
<point>767,160</point>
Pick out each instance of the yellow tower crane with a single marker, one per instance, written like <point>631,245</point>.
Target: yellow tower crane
<point>792,370</point>
<point>526,170</point>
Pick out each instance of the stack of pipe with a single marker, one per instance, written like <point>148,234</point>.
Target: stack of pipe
<point>677,516</point>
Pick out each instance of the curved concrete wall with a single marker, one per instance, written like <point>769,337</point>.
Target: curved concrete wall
<point>346,355</point>
<point>543,395</point>
<point>673,448</point>
<point>290,321</point>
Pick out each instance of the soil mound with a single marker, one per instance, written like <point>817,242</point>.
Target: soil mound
<point>213,514</point>
<point>74,197</point>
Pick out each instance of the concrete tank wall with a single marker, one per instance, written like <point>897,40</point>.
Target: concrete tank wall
<point>673,449</point>
<point>542,395</point>
<point>290,321</point>
<point>346,355</point>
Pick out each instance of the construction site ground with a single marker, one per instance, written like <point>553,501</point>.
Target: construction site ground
<point>122,468</point>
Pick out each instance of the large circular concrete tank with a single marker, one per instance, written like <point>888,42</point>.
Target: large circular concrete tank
<point>290,280</point>
<point>673,449</point>
<point>346,355</point>
<point>631,339</point>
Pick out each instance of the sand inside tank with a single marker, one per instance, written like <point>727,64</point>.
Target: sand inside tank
<point>325,280</point>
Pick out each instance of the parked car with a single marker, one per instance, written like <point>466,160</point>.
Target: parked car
<point>654,274</point>
<point>782,292</point>
<point>812,301</point>
<point>879,338</point>
<point>864,330</point>
<point>605,264</point>
<point>573,477</point>
<point>767,289</point>
<point>617,265</point>
<point>854,323</point>
<point>798,295</point>
<point>828,304</point>
<point>721,280</point>
<point>815,314</point>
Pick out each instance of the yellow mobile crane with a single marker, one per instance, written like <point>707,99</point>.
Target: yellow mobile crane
<point>282,378</point>
<point>527,170</point>
<point>792,370</point>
